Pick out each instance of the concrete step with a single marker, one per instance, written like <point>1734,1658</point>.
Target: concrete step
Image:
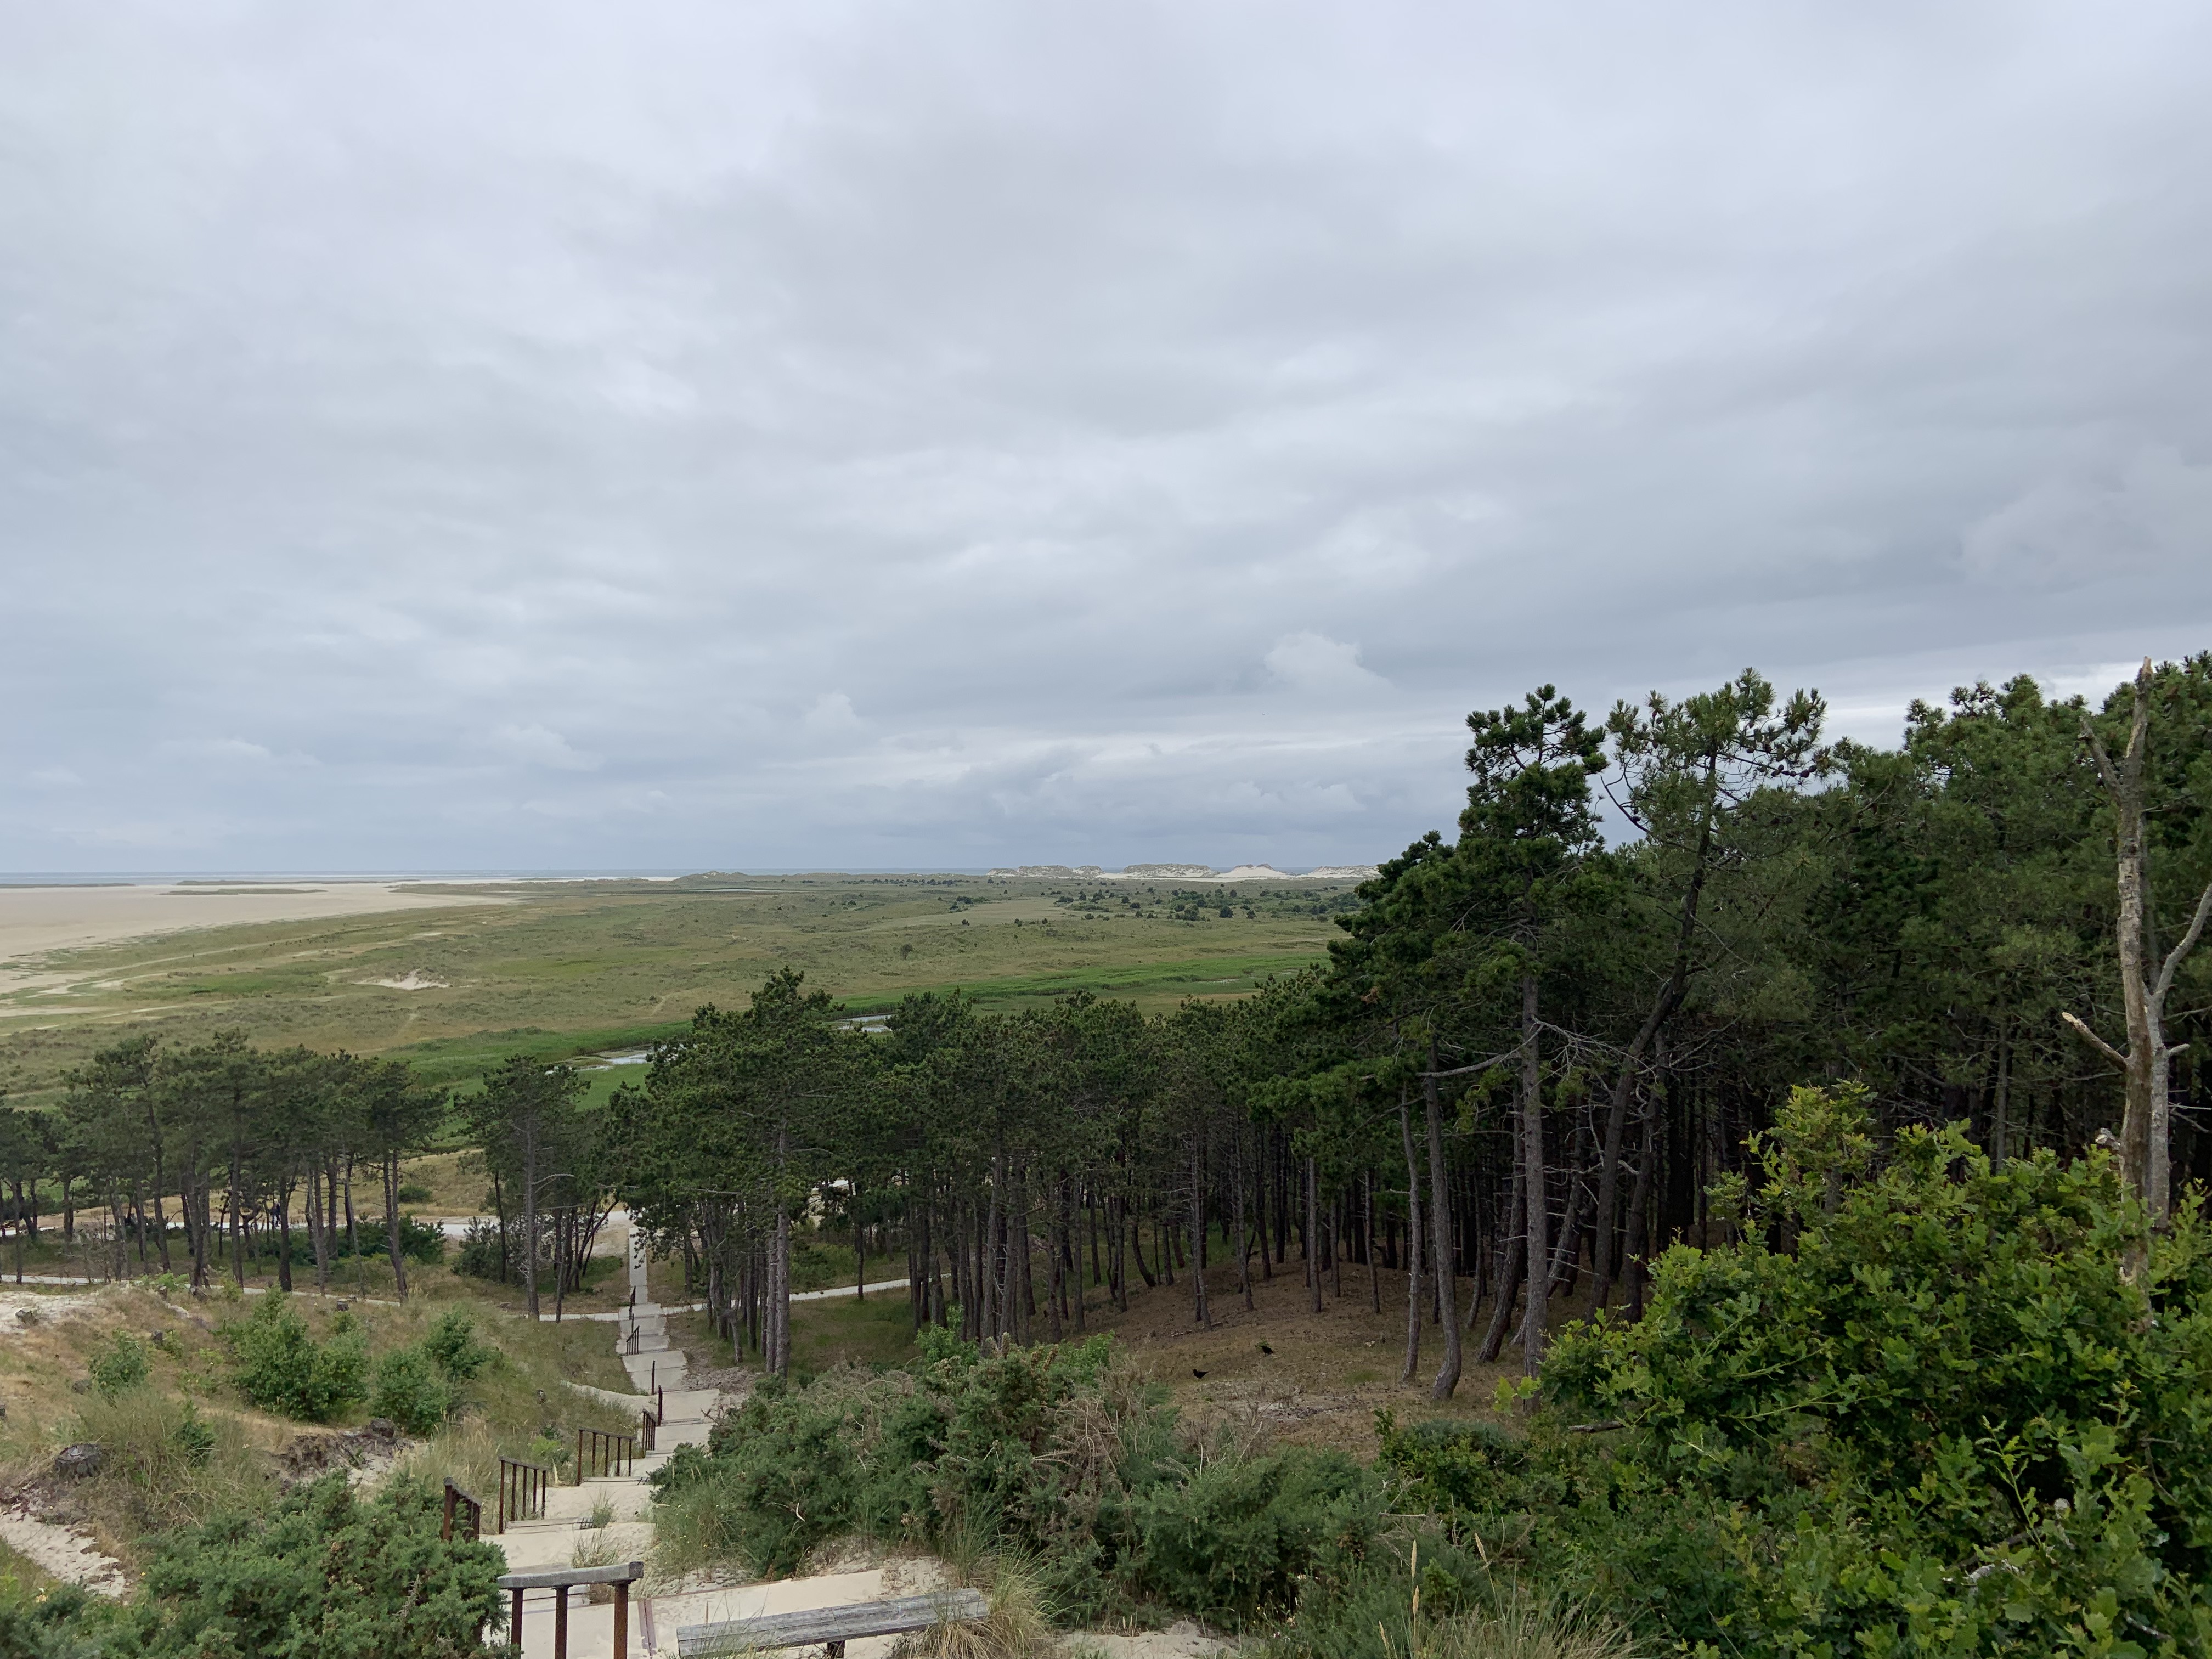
<point>651,1371</point>
<point>629,1500</point>
<point>539,1547</point>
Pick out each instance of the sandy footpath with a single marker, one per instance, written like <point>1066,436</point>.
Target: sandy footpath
<point>36,920</point>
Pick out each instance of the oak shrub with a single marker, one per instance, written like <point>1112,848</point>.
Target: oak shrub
<point>1921,1404</point>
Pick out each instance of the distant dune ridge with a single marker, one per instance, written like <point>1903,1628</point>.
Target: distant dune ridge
<point>1186,872</point>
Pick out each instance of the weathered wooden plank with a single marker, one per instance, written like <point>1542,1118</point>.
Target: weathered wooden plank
<point>895,1616</point>
<point>553,1578</point>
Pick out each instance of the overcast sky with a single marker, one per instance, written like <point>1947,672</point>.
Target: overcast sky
<point>882,434</point>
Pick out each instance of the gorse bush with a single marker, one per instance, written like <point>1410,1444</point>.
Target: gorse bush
<point>1235,1539</point>
<point>194,1438</point>
<point>327,1572</point>
<point>62,1623</point>
<point>418,1387</point>
<point>279,1366</point>
<point>1058,1456</point>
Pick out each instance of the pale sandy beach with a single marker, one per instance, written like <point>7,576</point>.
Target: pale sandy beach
<point>37,920</point>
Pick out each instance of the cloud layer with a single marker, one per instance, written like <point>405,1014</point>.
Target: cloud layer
<point>560,435</point>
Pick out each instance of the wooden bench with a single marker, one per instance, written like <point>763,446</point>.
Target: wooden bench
<point>830,1626</point>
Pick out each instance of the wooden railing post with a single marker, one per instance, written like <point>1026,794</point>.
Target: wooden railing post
<point>560,1581</point>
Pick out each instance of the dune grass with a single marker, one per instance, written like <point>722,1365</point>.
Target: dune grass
<point>183,1444</point>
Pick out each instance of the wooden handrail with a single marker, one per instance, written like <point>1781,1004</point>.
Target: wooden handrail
<point>832,1627</point>
<point>602,1451</point>
<point>522,1488</point>
<point>560,1581</point>
<point>470,1512</point>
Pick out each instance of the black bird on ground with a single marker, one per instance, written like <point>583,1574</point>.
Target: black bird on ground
<point>1195,1371</point>
<point>1264,1348</point>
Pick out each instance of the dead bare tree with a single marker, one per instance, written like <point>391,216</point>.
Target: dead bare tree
<point>2145,981</point>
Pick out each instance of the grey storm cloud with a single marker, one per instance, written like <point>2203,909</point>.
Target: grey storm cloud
<point>887,433</point>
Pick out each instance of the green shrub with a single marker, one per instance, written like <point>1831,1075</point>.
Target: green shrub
<point>325,1571</point>
<point>1037,1453</point>
<point>1236,1539</point>
<point>414,1191</point>
<point>451,1342</point>
<point>328,1572</point>
<point>119,1365</point>
<point>1469,1466</point>
<point>194,1438</point>
<point>481,1254</point>
<point>1373,1614</point>
<point>279,1366</point>
<point>410,1391</point>
<point>64,1622</point>
<point>418,1240</point>
<point>1057,1456</point>
<point>1950,1418</point>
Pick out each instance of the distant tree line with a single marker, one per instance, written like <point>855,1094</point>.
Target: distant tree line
<point>1533,1056</point>
<point>201,1159</point>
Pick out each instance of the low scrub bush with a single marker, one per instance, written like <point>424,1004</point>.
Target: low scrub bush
<point>327,1572</point>
<point>60,1623</point>
<point>1032,1451</point>
<point>418,1386</point>
<point>1059,1456</point>
<point>279,1366</point>
<point>1955,1416</point>
<point>418,1240</point>
<point>482,1256</point>
<point>1235,1540</point>
<point>452,1343</point>
<point>119,1365</point>
<point>414,1191</point>
<point>410,1390</point>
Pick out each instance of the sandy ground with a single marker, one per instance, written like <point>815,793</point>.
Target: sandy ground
<point>65,1552</point>
<point>37,920</point>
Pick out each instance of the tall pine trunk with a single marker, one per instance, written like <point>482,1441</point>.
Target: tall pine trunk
<point>1531,1166</point>
<point>1413,1244</point>
<point>1440,1225</point>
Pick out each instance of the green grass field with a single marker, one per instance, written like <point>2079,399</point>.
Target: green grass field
<point>568,969</point>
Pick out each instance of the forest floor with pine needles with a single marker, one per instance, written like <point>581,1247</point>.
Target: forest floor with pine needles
<point>1313,1379</point>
